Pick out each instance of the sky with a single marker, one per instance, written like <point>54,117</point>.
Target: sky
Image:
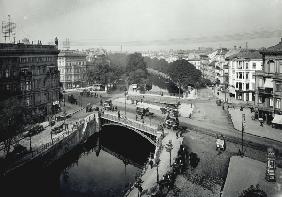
<point>147,24</point>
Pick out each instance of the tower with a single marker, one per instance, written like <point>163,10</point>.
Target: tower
<point>8,29</point>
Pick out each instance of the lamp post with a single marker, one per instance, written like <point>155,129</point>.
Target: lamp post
<point>169,148</point>
<point>125,93</point>
<point>243,127</point>
<point>225,85</point>
<point>157,164</point>
<point>179,86</point>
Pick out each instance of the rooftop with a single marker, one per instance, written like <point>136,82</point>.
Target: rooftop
<point>71,53</point>
<point>19,46</point>
<point>275,48</point>
<point>246,54</point>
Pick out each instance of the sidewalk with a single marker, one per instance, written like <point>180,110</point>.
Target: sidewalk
<point>44,137</point>
<point>253,126</point>
<point>243,172</point>
<point>150,176</point>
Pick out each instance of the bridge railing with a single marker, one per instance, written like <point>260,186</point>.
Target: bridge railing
<point>131,123</point>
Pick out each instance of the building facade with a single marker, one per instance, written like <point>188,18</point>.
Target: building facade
<point>269,84</point>
<point>29,73</point>
<point>242,68</point>
<point>72,67</point>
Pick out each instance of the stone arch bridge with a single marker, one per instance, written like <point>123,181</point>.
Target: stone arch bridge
<point>145,131</point>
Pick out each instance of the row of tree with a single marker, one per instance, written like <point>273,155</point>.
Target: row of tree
<point>182,72</point>
<point>131,67</point>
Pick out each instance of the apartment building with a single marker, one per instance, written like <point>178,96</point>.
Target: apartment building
<point>269,84</point>
<point>29,73</point>
<point>72,67</point>
<point>242,68</point>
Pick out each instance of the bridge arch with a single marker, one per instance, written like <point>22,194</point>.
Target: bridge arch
<point>151,138</point>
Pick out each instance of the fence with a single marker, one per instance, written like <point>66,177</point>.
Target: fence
<point>43,148</point>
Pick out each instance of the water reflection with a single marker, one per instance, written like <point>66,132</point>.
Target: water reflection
<point>105,165</point>
<point>108,168</point>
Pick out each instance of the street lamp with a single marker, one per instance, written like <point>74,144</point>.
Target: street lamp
<point>125,93</point>
<point>179,86</point>
<point>169,148</point>
<point>243,127</point>
<point>157,161</point>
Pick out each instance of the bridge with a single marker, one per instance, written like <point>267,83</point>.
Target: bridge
<point>147,132</point>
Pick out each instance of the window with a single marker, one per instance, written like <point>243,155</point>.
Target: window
<point>279,87</point>
<point>8,87</point>
<point>271,67</point>
<point>247,86</point>
<point>28,101</point>
<point>277,103</point>
<point>270,102</point>
<point>259,99</point>
<point>280,66</point>
<point>247,65</point>
<point>240,86</point>
<point>254,65</point>
<point>247,75</point>
<point>7,73</point>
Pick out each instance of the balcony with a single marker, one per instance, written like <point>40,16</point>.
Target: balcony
<point>265,90</point>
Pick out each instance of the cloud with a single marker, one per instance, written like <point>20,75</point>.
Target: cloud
<point>144,22</point>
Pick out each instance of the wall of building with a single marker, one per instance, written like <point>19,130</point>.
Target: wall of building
<point>72,67</point>
<point>242,77</point>
<point>30,74</point>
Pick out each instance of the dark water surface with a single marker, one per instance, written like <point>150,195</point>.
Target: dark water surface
<point>105,165</point>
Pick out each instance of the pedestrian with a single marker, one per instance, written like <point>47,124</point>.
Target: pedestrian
<point>190,115</point>
<point>118,114</point>
<point>151,163</point>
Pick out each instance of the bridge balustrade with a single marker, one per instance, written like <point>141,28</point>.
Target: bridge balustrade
<point>131,123</point>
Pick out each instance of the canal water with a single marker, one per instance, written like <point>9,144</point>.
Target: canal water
<point>106,165</point>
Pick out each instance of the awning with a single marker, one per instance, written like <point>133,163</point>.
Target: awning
<point>277,119</point>
<point>268,83</point>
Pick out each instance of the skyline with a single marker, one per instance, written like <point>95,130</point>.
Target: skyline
<point>140,25</point>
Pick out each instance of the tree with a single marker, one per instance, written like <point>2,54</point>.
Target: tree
<point>136,70</point>
<point>12,121</point>
<point>253,192</point>
<point>135,62</point>
<point>185,73</point>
